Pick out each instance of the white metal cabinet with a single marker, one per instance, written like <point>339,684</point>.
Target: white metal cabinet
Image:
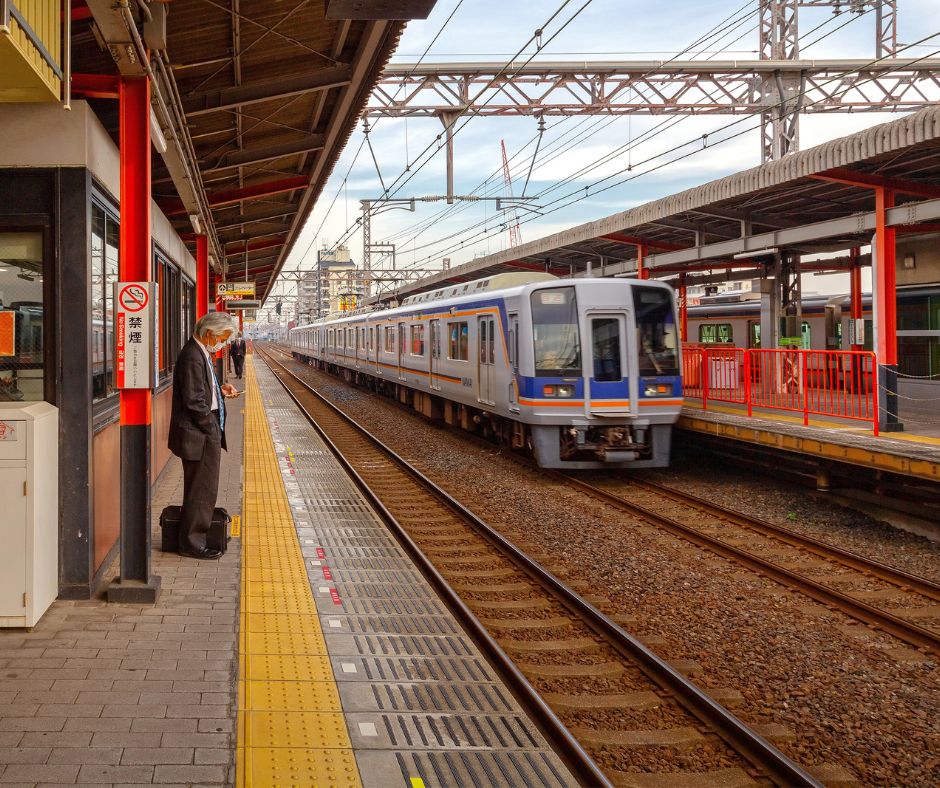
<point>29,511</point>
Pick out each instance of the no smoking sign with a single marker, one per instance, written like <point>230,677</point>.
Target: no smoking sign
<point>133,298</point>
<point>135,332</point>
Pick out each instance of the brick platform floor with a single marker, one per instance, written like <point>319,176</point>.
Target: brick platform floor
<point>103,694</point>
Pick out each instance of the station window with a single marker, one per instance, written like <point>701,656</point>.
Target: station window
<point>105,231</point>
<point>716,334</point>
<point>21,316</point>
<point>176,301</point>
<point>458,346</point>
<point>417,340</point>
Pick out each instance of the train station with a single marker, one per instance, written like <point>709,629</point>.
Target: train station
<point>316,472</point>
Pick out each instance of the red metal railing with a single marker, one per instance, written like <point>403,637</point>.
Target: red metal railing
<point>840,383</point>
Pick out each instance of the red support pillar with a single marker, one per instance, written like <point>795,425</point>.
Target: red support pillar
<point>855,291</point>
<point>683,311</point>
<point>641,271</point>
<point>884,281</point>
<point>136,584</point>
<point>202,275</point>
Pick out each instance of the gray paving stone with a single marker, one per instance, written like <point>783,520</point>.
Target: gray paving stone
<point>34,773</point>
<point>56,739</point>
<point>157,755</point>
<point>86,755</point>
<point>189,774</point>
<point>101,773</point>
<point>92,724</point>
<point>10,755</point>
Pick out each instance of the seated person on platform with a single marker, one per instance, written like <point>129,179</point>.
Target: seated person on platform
<point>197,429</point>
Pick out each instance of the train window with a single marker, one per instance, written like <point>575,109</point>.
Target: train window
<point>417,340</point>
<point>805,335</point>
<point>389,339</point>
<point>605,339</point>
<point>656,335</point>
<point>556,338</point>
<point>21,316</point>
<point>105,230</point>
<point>483,341</point>
<point>753,334</point>
<point>458,346</point>
<point>716,334</point>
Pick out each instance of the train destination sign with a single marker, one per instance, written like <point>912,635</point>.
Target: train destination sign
<point>135,334</point>
<point>236,290</point>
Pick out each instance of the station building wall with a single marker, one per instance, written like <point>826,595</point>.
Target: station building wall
<point>60,178</point>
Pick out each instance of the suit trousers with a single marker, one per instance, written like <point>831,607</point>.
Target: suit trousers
<point>200,491</point>
<point>239,362</point>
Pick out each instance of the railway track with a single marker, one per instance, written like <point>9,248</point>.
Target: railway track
<point>837,578</point>
<point>866,590</point>
<point>616,711</point>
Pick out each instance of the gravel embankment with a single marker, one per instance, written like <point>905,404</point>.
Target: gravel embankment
<point>805,511</point>
<point>837,693</point>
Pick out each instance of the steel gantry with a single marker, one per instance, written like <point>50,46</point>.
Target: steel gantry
<point>779,86</point>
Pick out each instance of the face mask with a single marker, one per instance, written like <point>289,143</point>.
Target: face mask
<point>216,347</point>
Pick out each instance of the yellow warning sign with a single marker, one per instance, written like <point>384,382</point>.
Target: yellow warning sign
<point>7,333</point>
<point>236,525</point>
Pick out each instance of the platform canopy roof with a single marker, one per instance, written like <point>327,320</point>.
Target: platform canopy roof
<point>256,99</point>
<point>813,201</point>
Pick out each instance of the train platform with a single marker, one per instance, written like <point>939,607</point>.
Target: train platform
<point>312,653</point>
<point>914,452</point>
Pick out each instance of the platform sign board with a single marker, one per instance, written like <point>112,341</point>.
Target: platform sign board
<point>135,333</point>
<point>7,333</point>
<point>236,290</point>
<point>241,304</point>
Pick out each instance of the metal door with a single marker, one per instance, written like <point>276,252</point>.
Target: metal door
<point>609,370</point>
<point>13,534</point>
<point>401,351</point>
<point>486,358</point>
<point>434,357</point>
<point>512,347</point>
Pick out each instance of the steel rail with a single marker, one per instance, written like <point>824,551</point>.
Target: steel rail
<point>914,635</point>
<point>860,563</point>
<point>744,740</point>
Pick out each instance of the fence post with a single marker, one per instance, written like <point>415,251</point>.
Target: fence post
<point>704,362</point>
<point>873,385</point>
<point>747,382</point>
<point>804,385</point>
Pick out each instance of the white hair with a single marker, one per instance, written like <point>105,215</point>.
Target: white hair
<point>216,322</point>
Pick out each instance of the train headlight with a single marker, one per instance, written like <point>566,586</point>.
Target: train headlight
<point>657,390</point>
<point>556,390</point>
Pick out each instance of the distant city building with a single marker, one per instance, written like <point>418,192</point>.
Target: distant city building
<point>335,285</point>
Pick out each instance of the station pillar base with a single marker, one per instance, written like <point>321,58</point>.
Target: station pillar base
<point>888,420</point>
<point>135,592</point>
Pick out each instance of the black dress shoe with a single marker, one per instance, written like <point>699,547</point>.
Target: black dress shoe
<point>203,553</point>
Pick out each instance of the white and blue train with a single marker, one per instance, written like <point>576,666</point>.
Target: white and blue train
<point>584,373</point>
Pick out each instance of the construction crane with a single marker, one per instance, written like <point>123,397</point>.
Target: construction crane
<point>515,236</point>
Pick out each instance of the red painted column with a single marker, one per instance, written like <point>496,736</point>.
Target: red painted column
<point>855,291</point>
<point>884,279</point>
<point>136,584</point>
<point>202,275</point>
<point>683,311</point>
<point>641,271</point>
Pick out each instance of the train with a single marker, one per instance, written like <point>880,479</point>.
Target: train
<point>580,373</point>
<point>734,319</point>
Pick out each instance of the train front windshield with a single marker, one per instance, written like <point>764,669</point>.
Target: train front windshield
<point>556,335</point>
<point>657,338</point>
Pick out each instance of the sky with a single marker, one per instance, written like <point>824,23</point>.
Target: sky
<point>491,31</point>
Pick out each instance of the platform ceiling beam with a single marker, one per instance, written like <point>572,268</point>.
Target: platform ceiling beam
<point>255,92</point>
<point>262,153</point>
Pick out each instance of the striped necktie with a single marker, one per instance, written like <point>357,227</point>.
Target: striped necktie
<point>219,398</point>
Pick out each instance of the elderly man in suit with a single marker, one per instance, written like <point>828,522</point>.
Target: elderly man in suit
<point>197,429</point>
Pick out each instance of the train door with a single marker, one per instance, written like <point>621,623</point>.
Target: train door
<point>486,372</point>
<point>401,351</point>
<point>513,350</point>
<point>434,357</point>
<point>609,381</point>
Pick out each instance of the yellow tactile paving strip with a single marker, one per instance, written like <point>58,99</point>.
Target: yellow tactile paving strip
<point>291,729</point>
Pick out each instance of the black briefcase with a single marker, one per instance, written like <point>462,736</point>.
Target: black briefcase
<point>216,539</point>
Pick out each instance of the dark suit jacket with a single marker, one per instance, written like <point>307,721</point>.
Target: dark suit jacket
<point>237,348</point>
<point>192,422</point>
